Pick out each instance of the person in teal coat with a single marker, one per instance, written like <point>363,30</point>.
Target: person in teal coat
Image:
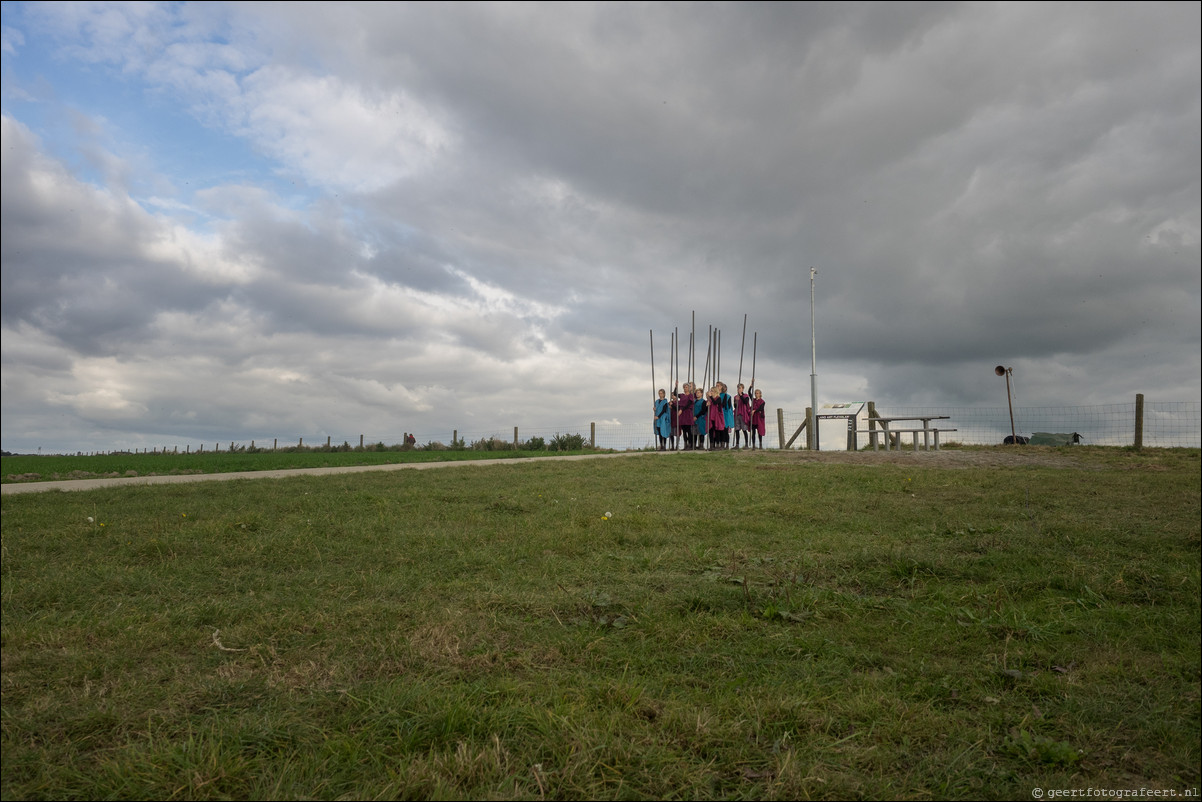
<point>663,420</point>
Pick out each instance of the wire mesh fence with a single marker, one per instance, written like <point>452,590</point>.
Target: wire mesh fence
<point>1164,425</point>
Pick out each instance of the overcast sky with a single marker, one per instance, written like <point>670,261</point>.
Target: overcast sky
<point>225,221</point>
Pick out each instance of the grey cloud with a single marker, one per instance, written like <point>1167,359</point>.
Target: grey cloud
<point>975,183</point>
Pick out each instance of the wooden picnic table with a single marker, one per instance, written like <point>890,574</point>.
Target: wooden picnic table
<point>887,428</point>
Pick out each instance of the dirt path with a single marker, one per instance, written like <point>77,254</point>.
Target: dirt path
<point>947,458</point>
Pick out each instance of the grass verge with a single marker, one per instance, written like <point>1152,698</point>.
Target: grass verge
<point>718,626</point>
<point>53,468</point>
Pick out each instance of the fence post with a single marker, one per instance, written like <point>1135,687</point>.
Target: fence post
<point>780,428</point>
<point>300,442</point>
<point>592,435</point>
<point>812,429</point>
<point>360,442</point>
<point>1139,421</point>
<point>515,438</point>
<point>454,437</point>
<point>275,443</point>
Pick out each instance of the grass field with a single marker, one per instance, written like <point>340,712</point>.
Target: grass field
<point>741,625</point>
<point>33,468</point>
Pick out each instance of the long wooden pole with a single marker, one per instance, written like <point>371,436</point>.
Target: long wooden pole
<point>693,347</point>
<point>741,344</point>
<point>717,355</point>
<point>754,337</point>
<point>652,333</point>
<point>671,346</point>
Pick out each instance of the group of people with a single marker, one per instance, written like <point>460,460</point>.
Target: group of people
<point>694,420</point>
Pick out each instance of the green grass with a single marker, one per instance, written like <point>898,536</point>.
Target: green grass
<point>742,626</point>
<point>30,468</point>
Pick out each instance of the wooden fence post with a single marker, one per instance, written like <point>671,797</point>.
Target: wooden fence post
<point>1139,421</point>
<point>872,414</point>
<point>275,443</point>
<point>780,428</point>
<point>592,435</point>
<point>515,438</point>
<point>360,441</point>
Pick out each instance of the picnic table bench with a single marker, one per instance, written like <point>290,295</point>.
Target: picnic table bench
<point>887,428</point>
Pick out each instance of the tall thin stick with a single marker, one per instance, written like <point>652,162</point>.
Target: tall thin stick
<point>652,333</point>
<point>717,355</point>
<point>692,347</point>
<point>671,346</point>
<point>741,344</point>
<point>754,337</point>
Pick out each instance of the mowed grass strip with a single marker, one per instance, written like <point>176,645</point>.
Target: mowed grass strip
<point>711,626</point>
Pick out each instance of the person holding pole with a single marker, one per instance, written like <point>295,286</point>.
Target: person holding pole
<point>728,413</point>
<point>663,420</point>
<point>700,414</point>
<point>742,417</point>
<point>684,406</point>
<point>715,417</point>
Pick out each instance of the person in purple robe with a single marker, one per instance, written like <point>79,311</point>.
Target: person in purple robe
<point>715,418</point>
<point>684,406</point>
<point>758,420</point>
<point>742,417</point>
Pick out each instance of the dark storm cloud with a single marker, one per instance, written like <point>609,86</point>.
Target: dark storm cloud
<point>509,196</point>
